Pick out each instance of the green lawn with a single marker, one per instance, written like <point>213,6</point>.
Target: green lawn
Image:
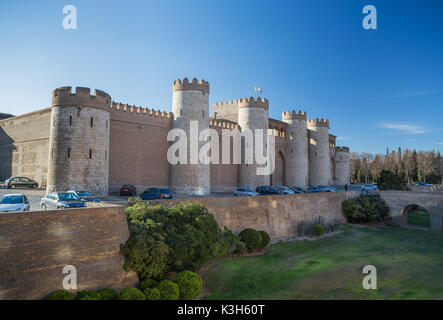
<point>409,265</point>
<point>419,218</point>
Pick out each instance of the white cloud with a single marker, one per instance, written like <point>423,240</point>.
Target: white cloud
<point>406,128</point>
<point>343,138</point>
<point>440,143</point>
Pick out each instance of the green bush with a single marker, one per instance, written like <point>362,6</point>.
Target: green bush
<point>164,239</point>
<point>152,294</point>
<point>147,284</point>
<point>60,295</point>
<point>265,239</point>
<point>131,293</point>
<point>168,290</point>
<point>366,208</point>
<point>318,229</point>
<point>145,255</point>
<point>189,283</point>
<point>391,181</point>
<point>307,228</point>
<point>88,295</point>
<point>251,238</point>
<point>233,243</point>
<point>108,294</point>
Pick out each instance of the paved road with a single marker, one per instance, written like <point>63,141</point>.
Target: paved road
<point>35,195</point>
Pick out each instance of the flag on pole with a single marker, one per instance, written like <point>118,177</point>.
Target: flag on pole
<point>258,90</point>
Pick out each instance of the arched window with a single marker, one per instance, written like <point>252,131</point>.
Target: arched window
<point>70,120</point>
<point>291,136</point>
<point>69,153</point>
<point>90,153</point>
<point>92,122</point>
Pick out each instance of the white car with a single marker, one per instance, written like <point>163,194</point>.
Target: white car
<point>368,187</point>
<point>13,203</point>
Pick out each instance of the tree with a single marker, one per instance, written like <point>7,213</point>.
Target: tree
<point>426,164</point>
<point>409,164</point>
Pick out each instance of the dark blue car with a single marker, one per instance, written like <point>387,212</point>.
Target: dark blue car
<point>267,190</point>
<point>155,193</point>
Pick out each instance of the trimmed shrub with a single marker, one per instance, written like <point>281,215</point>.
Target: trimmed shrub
<point>88,295</point>
<point>60,295</point>
<point>108,294</point>
<point>131,293</point>
<point>251,238</point>
<point>365,208</point>
<point>189,283</point>
<point>265,239</point>
<point>152,294</point>
<point>168,290</point>
<point>318,229</point>
<point>147,284</point>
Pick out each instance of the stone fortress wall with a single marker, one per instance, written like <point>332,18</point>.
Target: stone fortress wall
<point>87,141</point>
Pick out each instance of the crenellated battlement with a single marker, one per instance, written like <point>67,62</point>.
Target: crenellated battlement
<point>225,103</point>
<point>180,85</point>
<point>82,97</point>
<point>341,149</point>
<point>253,102</point>
<point>318,123</point>
<point>300,115</point>
<point>222,123</point>
<point>117,106</point>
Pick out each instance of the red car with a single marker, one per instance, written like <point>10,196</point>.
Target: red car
<point>128,190</point>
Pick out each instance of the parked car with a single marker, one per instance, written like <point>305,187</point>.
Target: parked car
<point>368,187</point>
<point>327,188</point>
<point>155,193</point>
<point>23,182</point>
<point>85,196</point>
<point>297,189</point>
<point>61,200</point>
<point>14,202</point>
<point>244,192</point>
<point>128,190</point>
<point>424,184</point>
<point>266,190</point>
<point>315,189</point>
<point>284,190</point>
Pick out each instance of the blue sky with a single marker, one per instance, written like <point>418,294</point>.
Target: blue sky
<point>379,88</point>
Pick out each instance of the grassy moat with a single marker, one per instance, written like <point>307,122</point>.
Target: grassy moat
<point>409,265</point>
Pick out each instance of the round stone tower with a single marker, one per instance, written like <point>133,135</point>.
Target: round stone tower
<point>253,114</point>
<point>79,141</point>
<point>342,162</point>
<point>319,161</point>
<point>297,164</point>
<point>190,102</point>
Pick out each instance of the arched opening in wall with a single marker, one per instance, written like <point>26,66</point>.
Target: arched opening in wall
<point>416,215</point>
<point>278,177</point>
<point>333,177</point>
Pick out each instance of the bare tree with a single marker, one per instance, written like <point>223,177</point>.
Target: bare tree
<point>426,164</point>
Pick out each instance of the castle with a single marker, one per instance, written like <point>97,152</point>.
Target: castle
<point>92,143</point>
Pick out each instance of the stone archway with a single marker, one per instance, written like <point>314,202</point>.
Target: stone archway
<point>415,215</point>
<point>332,182</point>
<point>400,201</point>
<point>278,177</point>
